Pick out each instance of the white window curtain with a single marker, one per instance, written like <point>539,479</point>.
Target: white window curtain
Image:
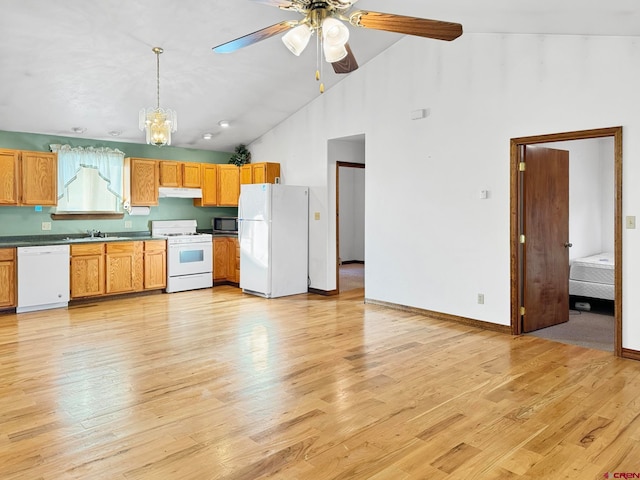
<point>108,162</point>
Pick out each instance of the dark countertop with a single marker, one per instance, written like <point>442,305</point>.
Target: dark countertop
<point>62,239</point>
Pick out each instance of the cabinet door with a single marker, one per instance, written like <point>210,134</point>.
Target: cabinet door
<point>9,177</point>
<point>209,185</point>
<point>191,173</point>
<point>236,244</point>
<point>228,185</point>
<point>120,265</point>
<point>7,277</point>
<point>170,173</point>
<point>87,270</point>
<point>145,179</point>
<point>265,172</point>
<point>220,259</point>
<point>155,264</point>
<point>231,260</point>
<point>246,174</point>
<point>39,174</point>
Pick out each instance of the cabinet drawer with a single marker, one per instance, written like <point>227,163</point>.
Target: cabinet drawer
<point>87,249</point>
<point>7,254</point>
<point>120,247</point>
<point>155,245</point>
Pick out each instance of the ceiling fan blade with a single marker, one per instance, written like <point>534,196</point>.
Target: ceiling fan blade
<point>254,37</point>
<point>421,27</point>
<point>348,64</point>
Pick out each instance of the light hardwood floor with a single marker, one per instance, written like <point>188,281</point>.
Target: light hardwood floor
<point>214,384</point>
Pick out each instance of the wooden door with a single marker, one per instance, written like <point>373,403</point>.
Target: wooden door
<point>246,174</point>
<point>545,213</point>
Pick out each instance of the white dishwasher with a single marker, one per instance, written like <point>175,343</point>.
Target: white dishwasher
<point>43,277</point>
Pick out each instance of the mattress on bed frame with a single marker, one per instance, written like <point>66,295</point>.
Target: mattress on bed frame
<point>593,276</point>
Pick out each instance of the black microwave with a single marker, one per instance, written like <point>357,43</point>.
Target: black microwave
<point>225,224</point>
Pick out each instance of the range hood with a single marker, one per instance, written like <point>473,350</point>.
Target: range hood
<point>176,192</point>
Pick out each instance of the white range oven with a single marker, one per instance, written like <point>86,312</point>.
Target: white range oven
<point>189,254</point>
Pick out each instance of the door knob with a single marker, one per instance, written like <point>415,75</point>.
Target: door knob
<point>568,245</point>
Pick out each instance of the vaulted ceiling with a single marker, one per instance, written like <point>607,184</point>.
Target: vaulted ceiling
<point>88,64</point>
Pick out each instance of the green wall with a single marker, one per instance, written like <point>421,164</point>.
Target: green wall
<point>27,221</point>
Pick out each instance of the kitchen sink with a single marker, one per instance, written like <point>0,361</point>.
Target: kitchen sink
<point>93,239</point>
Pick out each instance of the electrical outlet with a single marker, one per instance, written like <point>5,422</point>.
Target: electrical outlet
<point>46,225</point>
<point>128,224</point>
<point>481,298</point>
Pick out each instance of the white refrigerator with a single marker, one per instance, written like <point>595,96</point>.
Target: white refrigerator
<point>273,230</point>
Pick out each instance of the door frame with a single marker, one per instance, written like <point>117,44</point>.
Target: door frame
<point>515,214</point>
<point>338,165</point>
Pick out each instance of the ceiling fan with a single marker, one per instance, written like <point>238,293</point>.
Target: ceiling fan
<point>325,19</point>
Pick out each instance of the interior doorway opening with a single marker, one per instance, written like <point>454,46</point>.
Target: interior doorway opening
<point>518,256</point>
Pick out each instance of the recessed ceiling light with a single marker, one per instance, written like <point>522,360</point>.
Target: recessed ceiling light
<point>78,129</point>
<point>207,136</point>
<point>223,123</point>
<point>115,133</point>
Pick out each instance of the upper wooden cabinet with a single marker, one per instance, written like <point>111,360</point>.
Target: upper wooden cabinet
<point>142,179</point>
<point>39,172</point>
<point>9,161</point>
<point>28,178</point>
<point>180,174</point>
<point>228,185</point>
<point>264,172</point>
<point>209,186</point>
<point>220,185</point>
<point>191,175</point>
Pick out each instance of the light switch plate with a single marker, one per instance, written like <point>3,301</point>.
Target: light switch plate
<point>316,215</point>
<point>631,221</point>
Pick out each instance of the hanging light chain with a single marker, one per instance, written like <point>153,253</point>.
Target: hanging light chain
<point>158,51</point>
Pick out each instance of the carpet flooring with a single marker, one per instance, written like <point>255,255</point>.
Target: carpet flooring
<point>588,329</point>
<point>351,276</point>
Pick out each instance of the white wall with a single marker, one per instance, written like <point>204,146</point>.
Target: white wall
<point>481,90</point>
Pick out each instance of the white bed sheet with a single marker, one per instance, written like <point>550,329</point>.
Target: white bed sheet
<point>597,269</point>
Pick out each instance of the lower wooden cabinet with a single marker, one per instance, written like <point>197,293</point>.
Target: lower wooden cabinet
<point>87,270</point>
<point>124,267</point>
<point>7,277</point>
<point>117,267</point>
<point>226,260</point>
<point>155,264</point>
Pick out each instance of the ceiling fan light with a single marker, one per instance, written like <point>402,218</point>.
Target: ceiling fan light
<point>296,39</point>
<point>334,53</point>
<point>334,32</point>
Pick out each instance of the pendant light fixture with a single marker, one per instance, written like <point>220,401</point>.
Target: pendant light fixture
<point>158,123</point>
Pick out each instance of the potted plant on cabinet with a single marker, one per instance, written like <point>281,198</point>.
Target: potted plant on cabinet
<point>240,156</point>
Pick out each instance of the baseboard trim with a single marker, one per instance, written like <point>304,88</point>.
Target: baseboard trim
<point>630,354</point>
<point>326,293</point>
<point>444,316</point>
